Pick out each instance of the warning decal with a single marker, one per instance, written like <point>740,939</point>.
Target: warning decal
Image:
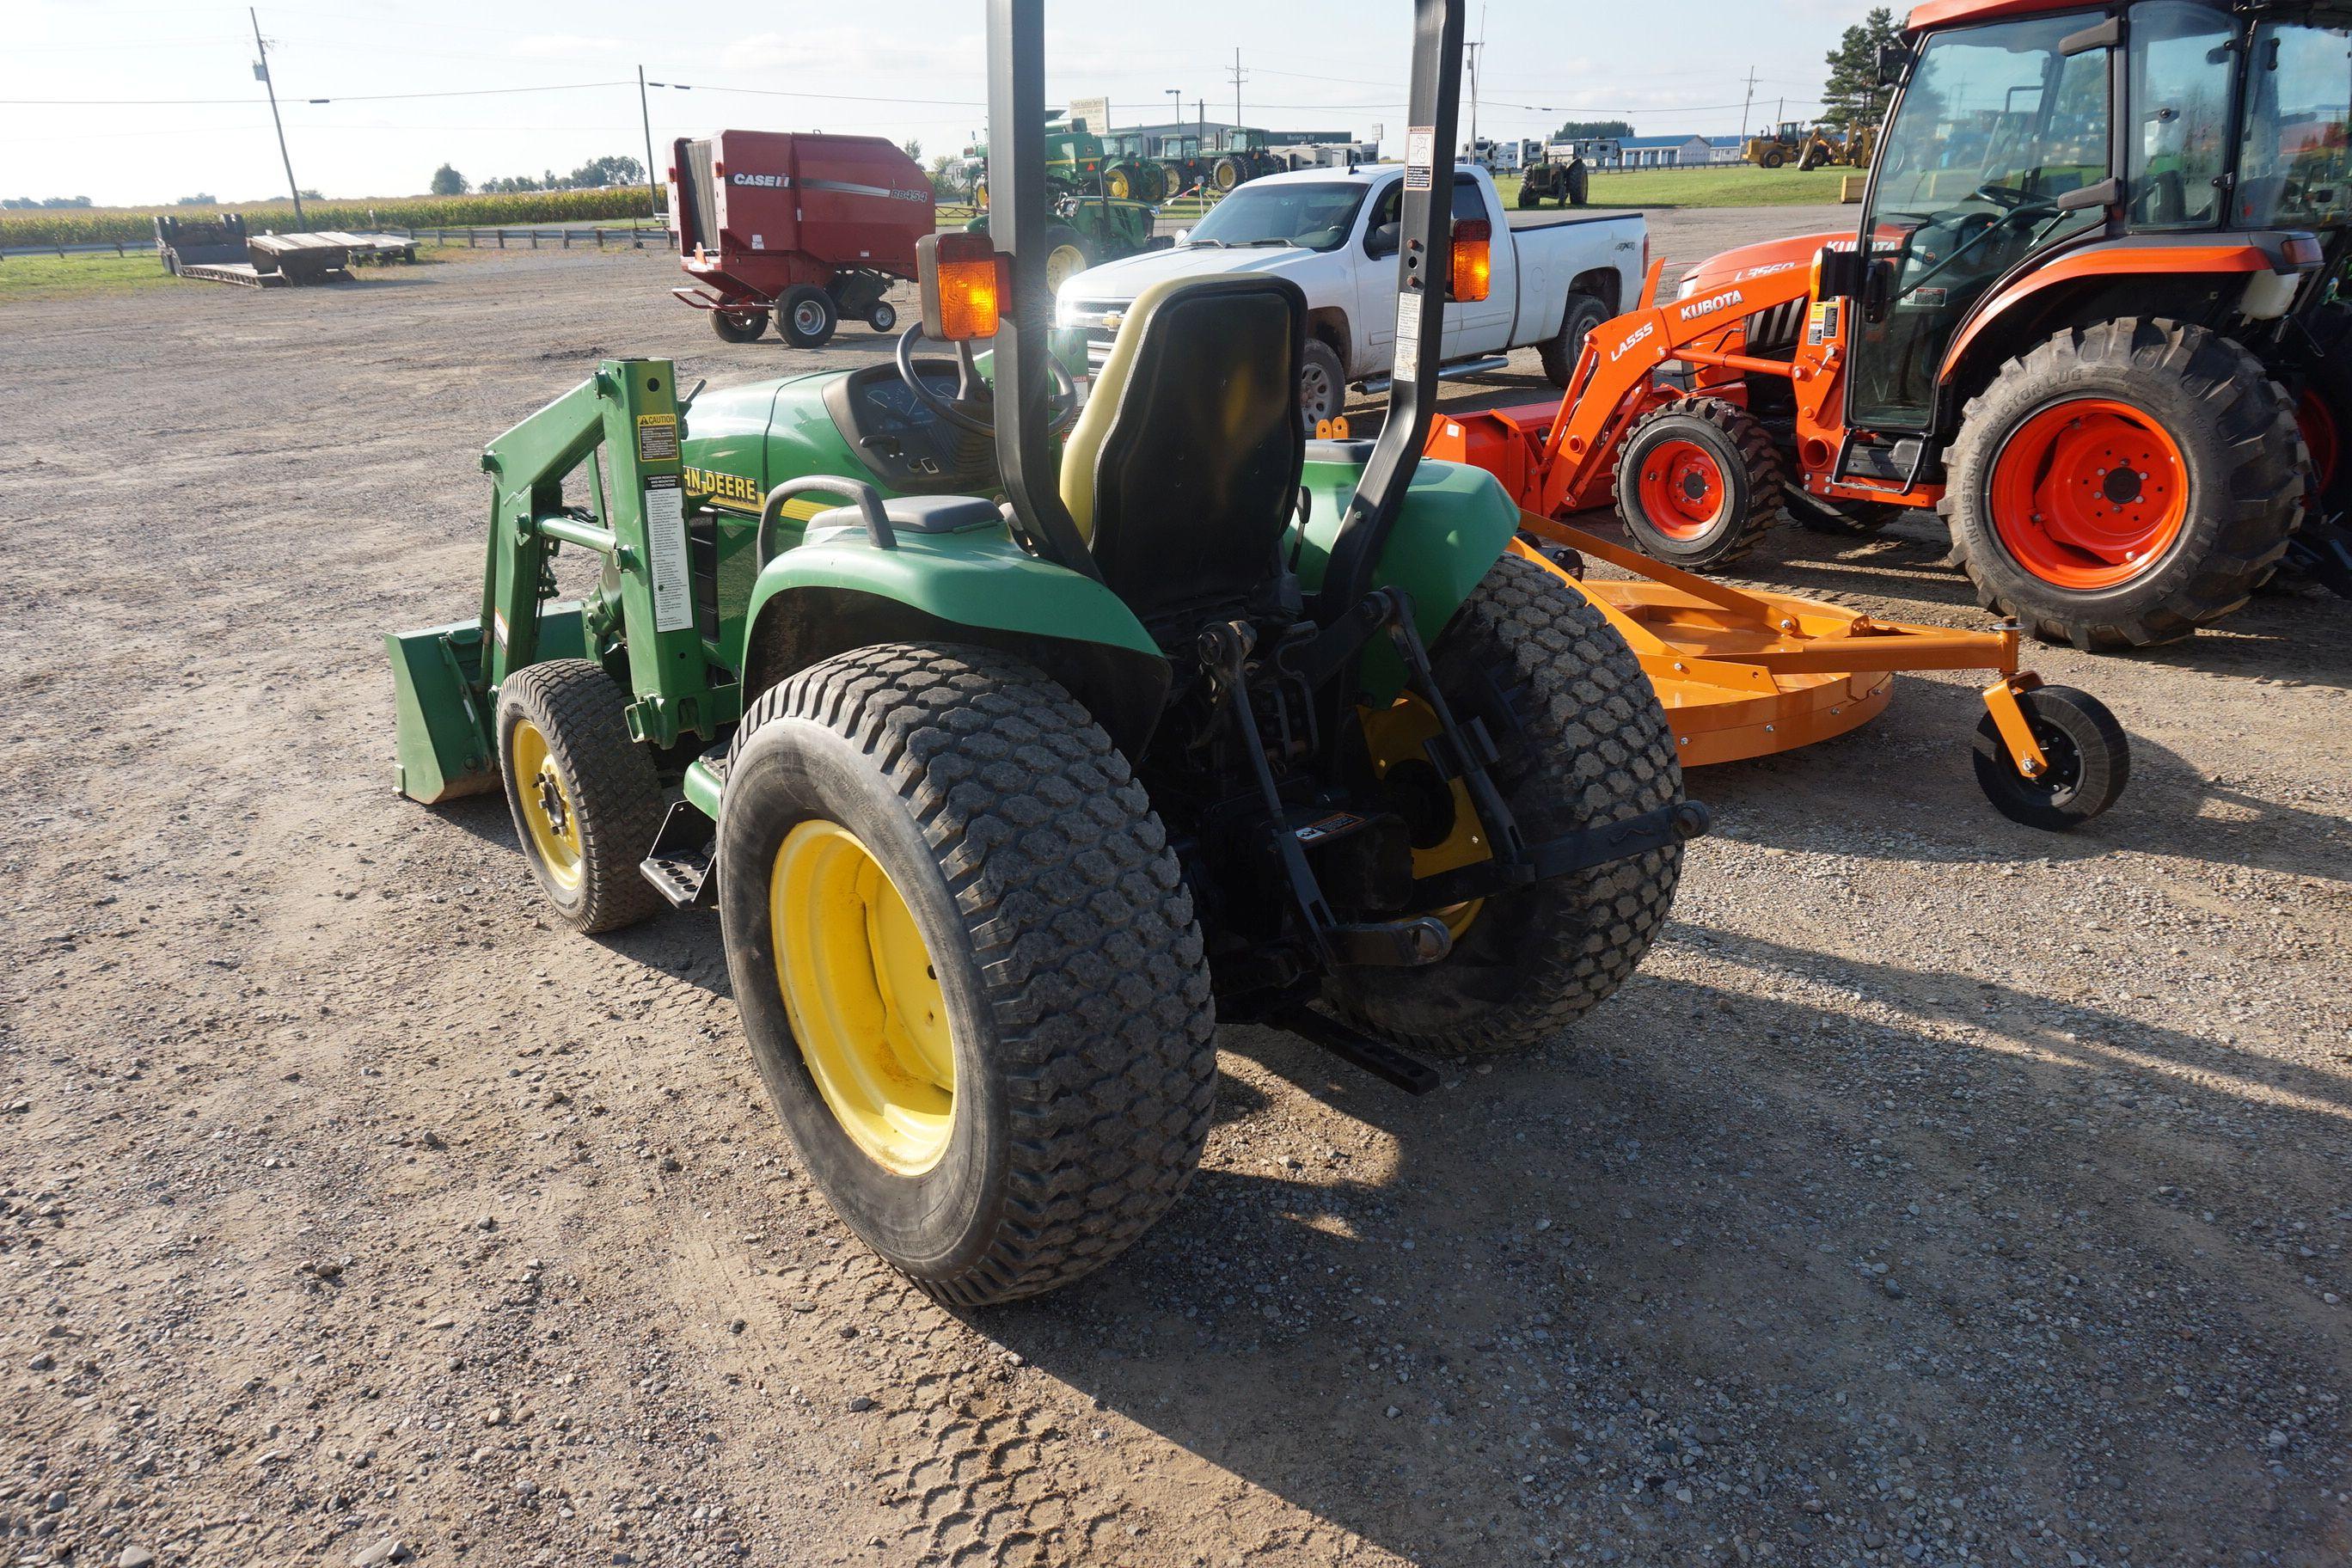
<point>1420,156</point>
<point>1408,337</point>
<point>666,551</point>
<point>657,437</point>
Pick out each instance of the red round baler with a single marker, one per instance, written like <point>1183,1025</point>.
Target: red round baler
<point>806,228</point>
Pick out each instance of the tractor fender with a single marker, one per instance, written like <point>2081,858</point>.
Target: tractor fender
<point>1456,524</point>
<point>838,591</point>
<point>2138,275</point>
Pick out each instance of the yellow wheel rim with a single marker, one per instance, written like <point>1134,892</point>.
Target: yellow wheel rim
<point>1397,734</point>
<point>1115,186</point>
<point>547,809</point>
<point>863,999</point>
<point>1063,262</point>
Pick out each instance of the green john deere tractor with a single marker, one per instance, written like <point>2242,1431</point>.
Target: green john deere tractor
<point>1018,745</point>
<point>1100,198</point>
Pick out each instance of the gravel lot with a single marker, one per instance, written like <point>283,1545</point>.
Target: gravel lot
<point>1941,1192</point>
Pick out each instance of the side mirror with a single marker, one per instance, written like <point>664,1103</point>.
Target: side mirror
<point>1182,235</point>
<point>1877,290</point>
<point>1891,61</point>
<point>1838,273</point>
<point>1386,239</point>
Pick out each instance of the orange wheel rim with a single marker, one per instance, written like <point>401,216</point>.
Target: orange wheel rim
<point>1682,488</point>
<point>2317,423</point>
<point>2089,493</point>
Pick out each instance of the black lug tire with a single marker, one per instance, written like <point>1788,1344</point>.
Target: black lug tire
<point>1841,518</point>
<point>882,317</point>
<point>1580,185</point>
<point>608,779</point>
<point>1528,198</point>
<point>1063,938</point>
<point>1558,352</point>
<point>1775,158</point>
<point>1750,465</point>
<point>2236,431</point>
<point>823,316</point>
<point>1320,366</point>
<point>1229,174</point>
<point>1587,743</point>
<point>2090,758</point>
<point>740,326</point>
<point>2328,375</point>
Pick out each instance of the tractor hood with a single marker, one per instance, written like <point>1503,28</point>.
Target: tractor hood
<point>1118,282</point>
<point>1760,260</point>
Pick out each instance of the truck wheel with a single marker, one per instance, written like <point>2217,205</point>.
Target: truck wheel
<point>585,799</point>
<point>1698,483</point>
<point>2125,484</point>
<point>1322,385</point>
<point>1531,659</point>
<point>1559,352</point>
<point>967,965</point>
<point>806,317</point>
<point>1579,185</point>
<point>739,326</point>
<point>1066,255</point>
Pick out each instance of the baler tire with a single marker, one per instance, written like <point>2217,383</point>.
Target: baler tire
<point>739,326</point>
<point>2234,431</point>
<point>1588,743</point>
<point>807,316</point>
<point>606,781</point>
<point>1559,352</point>
<point>1739,450</point>
<point>1053,917</point>
<point>882,317</point>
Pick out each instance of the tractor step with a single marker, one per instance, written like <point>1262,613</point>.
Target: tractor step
<point>1383,1061</point>
<point>680,864</point>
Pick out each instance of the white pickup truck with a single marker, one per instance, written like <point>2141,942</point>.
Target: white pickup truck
<point>1333,232</point>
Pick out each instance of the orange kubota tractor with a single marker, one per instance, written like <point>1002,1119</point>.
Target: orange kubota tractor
<point>2087,303</point>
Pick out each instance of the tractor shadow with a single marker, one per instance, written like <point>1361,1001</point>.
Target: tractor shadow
<point>1566,1299</point>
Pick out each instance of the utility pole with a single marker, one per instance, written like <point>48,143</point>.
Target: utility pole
<point>261,69</point>
<point>1470,59</point>
<point>1238,79</point>
<point>1745,105</point>
<point>653,202</point>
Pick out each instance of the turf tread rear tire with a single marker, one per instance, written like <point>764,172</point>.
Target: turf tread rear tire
<point>611,781</point>
<point>1760,471</point>
<point>1596,749</point>
<point>2224,553</point>
<point>1080,929</point>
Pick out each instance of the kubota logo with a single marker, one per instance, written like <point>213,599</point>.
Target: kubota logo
<point>1709,306</point>
<point>1635,336</point>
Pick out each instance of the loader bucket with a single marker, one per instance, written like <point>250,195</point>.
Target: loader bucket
<point>445,747</point>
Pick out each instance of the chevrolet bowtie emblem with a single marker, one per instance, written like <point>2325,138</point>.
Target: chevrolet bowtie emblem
<point>1114,320</point>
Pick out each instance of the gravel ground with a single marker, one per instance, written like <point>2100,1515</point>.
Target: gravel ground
<point>1940,1192</point>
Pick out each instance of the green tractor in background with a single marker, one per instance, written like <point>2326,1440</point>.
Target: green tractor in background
<point>1096,194</point>
<point>1017,746</point>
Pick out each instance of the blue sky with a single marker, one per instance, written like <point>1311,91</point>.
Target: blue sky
<point>909,69</point>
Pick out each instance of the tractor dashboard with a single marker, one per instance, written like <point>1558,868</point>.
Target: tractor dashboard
<point>910,448</point>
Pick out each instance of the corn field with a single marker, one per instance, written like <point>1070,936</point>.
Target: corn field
<point>101,226</point>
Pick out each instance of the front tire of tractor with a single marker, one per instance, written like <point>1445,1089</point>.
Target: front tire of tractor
<point>1580,185</point>
<point>2088,753</point>
<point>967,965</point>
<point>739,326</point>
<point>1775,158</point>
<point>1559,352</point>
<point>584,796</point>
<point>1698,483</point>
<point>807,316</point>
<point>2125,484</point>
<point>1068,254</point>
<point>1534,662</point>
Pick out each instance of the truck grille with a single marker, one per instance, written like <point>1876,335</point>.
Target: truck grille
<point>1099,320</point>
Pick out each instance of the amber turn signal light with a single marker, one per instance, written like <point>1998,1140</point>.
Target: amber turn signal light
<point>961,299</point>
<point>1474,263</point>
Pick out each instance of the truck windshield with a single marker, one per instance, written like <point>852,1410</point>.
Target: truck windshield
<point>2293,168</point>
<point>1312,217</point>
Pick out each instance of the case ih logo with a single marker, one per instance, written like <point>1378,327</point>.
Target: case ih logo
<point>773,182</point>
<point>1697,308</point>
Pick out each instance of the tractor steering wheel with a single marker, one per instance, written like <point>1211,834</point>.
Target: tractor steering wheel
<point>973,391</point>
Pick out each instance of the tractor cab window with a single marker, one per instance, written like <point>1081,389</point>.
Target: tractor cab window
<point>1315,216</point>
<point>2182,66</point>
<point>1994,125</point>
<point>2296,164</point>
